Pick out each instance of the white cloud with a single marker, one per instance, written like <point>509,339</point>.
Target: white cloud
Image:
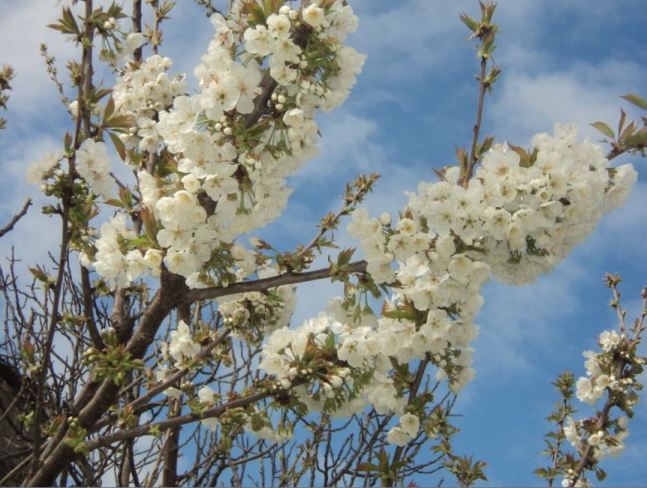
<point>528,103</point>
<point>23,27</point>
<point>346,146</point>
<point>406,40</point>
<point>313,297</point>
<point>186,37</point>
<point>520,326</point>
<point>624,233</point>
<point>518,322</point>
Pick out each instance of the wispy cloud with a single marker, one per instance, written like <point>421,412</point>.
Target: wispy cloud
<point>23,27</point>
<point>405,40</point>
<point>527,103</point>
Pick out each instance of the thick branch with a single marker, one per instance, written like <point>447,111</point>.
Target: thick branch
<point>615,152</point>
<point>96,398</point>
<point>269,84</point>
<point>266,283</point>
<point>170,449</point>
<point>618,150</point>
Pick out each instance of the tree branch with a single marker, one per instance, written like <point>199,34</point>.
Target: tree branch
<point>97,398</point>
<point>266,283</point>
<point>586,457</point>
<point>137,27</point>
<point>174,422</point>
<point>413,392</point>
<point>9,227</point>
<point>477,126</point>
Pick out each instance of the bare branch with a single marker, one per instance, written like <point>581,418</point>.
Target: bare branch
<point>9,227</point>
<point>266,283</point>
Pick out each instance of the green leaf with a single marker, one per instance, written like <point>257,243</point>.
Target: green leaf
<point>118,122</point>
<point>600,474</point>
<point>142,241</point>
<point>621,121</point>
<point>628,131</point>
<point>119,146</point>
<point>383,457</point>
<point>110,108</point>
<point>636,100</point>
<point>166,8</point>
<point>67,24</point>
<point>126,197</point>
<point>150,225</point>
<point>114,202</point>
<point>486,145</point>
<point>469,22</point>
<point>99,93</point>
<point>637,139</point>
<point>367,467</point>
<point>524,158</point>
<point>344,257</point>
<point>39,274</point>
<point>115,11</point>
<point>604,128</point>
<point>255,12</point>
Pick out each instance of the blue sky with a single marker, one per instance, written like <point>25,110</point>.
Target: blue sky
<point>563,61</point>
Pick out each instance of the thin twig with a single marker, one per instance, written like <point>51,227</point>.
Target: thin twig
<point>477,126</point>
<point>14,220</point>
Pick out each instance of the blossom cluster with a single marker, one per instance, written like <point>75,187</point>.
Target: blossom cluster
<point>516,219</point>
<point>218,159</point>
<point>93,164</point>
<point>534,215</point>
<point>436,294</point>
<point>612,372</point>
<point>114,261</point>
<point>212,166</point>
<point>142,94</point>
<point>344,368</point>
<point>39,170</point>
<point>182,347</point>
<point>405,431</point>
<point>590,388</point>
<point>309,355</point>
<point>251,315</point>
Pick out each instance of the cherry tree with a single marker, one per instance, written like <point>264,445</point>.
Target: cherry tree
<point>164,328</point>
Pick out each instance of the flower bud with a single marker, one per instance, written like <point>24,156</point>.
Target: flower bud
<point>385,218</point>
